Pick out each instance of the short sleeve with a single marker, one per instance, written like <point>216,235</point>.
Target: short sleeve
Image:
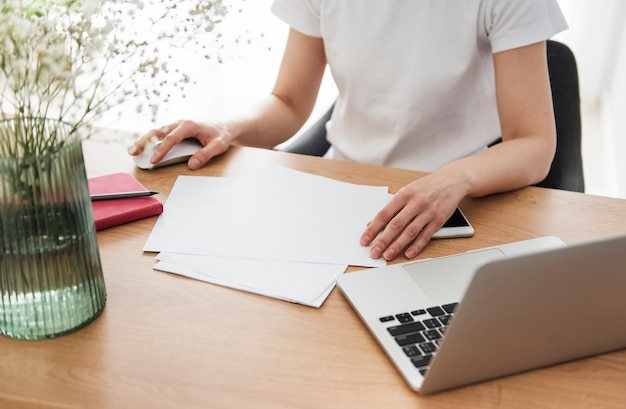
<point>513,23</point>
<point>301,15</point>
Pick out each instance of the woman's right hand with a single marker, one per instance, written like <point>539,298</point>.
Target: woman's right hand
<point>215,139</point>
<point>266,124</point>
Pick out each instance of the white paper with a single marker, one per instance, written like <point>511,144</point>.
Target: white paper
<point>303,283</point>
<point>286,216</point>
<point>280,233</point>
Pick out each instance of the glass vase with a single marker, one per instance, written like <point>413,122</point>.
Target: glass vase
<point>51,280</point>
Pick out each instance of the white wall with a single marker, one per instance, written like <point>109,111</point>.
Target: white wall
<point>597,35</point>
<point>615,106</point>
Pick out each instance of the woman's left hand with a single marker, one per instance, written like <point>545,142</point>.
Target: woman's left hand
<point>411,217</point>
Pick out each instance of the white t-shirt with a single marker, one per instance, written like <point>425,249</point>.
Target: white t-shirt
<point>415,77</point>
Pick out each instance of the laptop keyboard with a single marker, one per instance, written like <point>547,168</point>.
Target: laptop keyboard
<point>419,332</point>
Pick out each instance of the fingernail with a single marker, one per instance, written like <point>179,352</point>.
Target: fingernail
<point>375,252</point>
<point>365,240</point>
<point>132,150</point>
<point>389,254</point>
<point>154,159</point>
<point>194,163</point>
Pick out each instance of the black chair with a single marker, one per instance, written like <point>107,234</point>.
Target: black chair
<point>566,171</point>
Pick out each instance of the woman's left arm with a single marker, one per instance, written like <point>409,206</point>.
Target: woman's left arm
<point>527,124</point>
<point>523,158</point>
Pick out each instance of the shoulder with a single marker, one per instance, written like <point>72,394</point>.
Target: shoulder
<point>301,15</point>
<point>513,23</point>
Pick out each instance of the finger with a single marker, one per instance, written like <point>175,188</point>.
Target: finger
<point>214,148</point>
<point>424,236</point>
<point>201,157</point>
<point>139,145</point>
<point>408,233</point>
<point>151,138</point>
<point>386,242</point>
<point>175,133</point>
<point>378,224</point>
<point>420,242</point>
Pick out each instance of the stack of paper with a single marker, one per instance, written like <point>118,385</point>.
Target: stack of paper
<point>281,233</point>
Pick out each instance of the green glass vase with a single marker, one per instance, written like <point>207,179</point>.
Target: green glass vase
<point>51,280</point>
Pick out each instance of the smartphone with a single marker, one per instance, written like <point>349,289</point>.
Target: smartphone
<point>456,226</point>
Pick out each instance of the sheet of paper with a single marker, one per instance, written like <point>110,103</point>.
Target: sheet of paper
<point>303,283</point>
<point>279,214</point>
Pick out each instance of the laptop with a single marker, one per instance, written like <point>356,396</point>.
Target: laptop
<point>457,320</point>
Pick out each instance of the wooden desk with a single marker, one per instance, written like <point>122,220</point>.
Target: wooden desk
<point>165,341</point>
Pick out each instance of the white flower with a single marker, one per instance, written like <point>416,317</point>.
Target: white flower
<point>72,60</point>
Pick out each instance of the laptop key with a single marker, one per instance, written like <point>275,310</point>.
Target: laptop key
<point>432,323</point>
<point>411,351</point>
<point>436,311</point>
<point>417,338</point>
<point>406,328</point>
<point>449,308</point>
<point>421,361</point>
<point>428,348</point>
<point>431,335</point>
<point>404,340</point>
<point>404,317</point>
<point>445,320</point>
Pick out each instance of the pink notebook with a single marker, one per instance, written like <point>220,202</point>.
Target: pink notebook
<point>113,212</point>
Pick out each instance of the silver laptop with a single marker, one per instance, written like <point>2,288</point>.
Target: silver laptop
<point>457,320</point>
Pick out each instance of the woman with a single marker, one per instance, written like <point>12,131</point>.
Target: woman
<point>423,84</point>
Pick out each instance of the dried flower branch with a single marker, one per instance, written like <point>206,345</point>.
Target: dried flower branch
<point>72,60</point>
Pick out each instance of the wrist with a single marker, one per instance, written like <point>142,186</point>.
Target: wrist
<point>456,178</point>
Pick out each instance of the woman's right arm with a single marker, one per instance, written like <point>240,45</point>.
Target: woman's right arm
<point>268,123</point>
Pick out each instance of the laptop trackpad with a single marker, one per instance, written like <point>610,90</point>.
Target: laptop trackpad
<point>445,279</point>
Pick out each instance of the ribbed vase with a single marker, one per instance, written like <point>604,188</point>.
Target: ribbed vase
<point>51,280</point>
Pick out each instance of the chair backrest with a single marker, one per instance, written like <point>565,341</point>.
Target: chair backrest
<point>566,172</point>
<point>313,140</point>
